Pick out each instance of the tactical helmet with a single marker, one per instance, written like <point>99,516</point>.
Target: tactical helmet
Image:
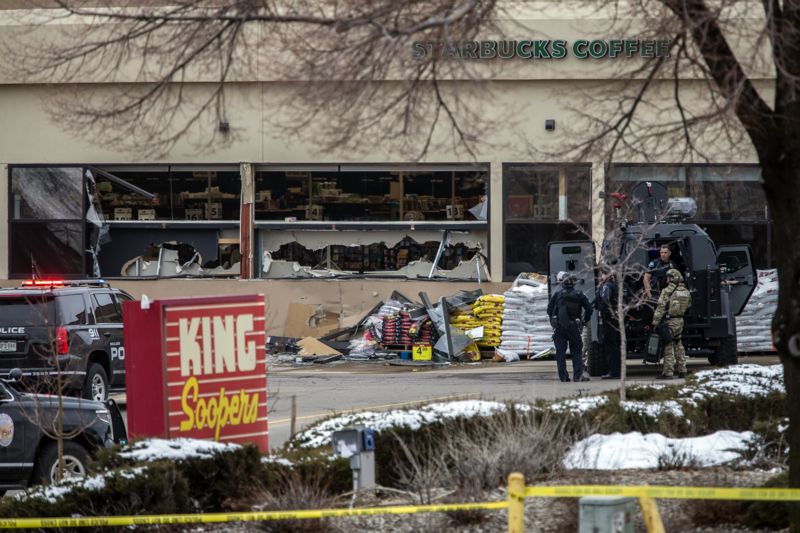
<point>568,281</point>
<point>675,274</point>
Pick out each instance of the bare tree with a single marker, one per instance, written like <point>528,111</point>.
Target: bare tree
<point>739,60</point>
<point>338,55</point>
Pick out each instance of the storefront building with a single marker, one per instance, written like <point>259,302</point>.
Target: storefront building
<point>337,231</point>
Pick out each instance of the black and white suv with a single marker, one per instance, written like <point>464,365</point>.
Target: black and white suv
<point>65,334</point>
<point>30,425</point>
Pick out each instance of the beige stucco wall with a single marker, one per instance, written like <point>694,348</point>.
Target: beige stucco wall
<point>522,95</point>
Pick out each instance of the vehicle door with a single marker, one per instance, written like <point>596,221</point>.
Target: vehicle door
<point>119,339</point>
<point>109,326</point>
<point>739,276</point>
<point>576,258</point>
<point>16,455</point>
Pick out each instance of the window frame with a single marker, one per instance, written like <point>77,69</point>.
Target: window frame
<point>504,220</point>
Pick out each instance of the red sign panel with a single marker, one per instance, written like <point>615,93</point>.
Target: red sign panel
<point>212,367</point>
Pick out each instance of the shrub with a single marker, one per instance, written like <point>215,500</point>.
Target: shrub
<point>291,490</point>
<point>157,489</point>
<point>769,515</point>
<point>479,453</point>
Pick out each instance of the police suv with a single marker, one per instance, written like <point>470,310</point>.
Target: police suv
<point>65,334</point>
<point>30,424</point>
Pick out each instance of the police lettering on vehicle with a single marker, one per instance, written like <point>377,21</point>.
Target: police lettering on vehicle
<point>12,331</point>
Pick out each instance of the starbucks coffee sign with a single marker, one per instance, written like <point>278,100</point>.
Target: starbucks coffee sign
<point>541,49</point>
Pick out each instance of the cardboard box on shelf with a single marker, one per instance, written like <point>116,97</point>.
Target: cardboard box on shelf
<point>194,214</point>
<point>123,213</point>
<point>146,214</point>
<point>395,190</point>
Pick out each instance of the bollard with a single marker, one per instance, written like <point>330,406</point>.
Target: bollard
<point>516,503</point>
<point>652,518</point>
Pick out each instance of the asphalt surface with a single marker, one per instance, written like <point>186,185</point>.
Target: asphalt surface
<point>322,390</point>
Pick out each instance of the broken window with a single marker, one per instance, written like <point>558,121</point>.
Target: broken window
<point>46,230</point>
<point>375,195</point>
<point>178,194</point>
<point>375,253</point>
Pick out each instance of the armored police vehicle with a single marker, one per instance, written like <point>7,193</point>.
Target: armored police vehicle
<point>720,278</point>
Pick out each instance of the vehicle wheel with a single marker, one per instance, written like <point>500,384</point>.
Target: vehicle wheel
<point>597,360</point>
<point>96,385</point>
<point>75,460</point>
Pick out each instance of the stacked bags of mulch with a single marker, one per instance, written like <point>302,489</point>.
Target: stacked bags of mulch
<point>753,326</point>
<point>525,328</point>
<point>488,309</point>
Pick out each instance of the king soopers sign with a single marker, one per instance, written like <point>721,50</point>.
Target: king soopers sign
<point>540,49</point>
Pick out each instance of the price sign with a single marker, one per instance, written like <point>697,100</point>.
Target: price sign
<point>422,352</point>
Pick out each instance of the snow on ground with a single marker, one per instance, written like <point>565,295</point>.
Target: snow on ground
<point>577,406</point>
<point>653,409</point>
<point>740,380</point>
<point>51,493</point>
<point>175,449</point>
<point>320,434</point>
<point>634,450</point>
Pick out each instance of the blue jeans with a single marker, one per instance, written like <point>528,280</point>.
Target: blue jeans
<point>571,335</point>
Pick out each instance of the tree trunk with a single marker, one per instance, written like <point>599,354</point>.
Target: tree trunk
<point>782,185</point>
<point>623,339</point>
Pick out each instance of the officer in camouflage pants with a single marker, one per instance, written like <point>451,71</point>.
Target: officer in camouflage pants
<point>674,302</point>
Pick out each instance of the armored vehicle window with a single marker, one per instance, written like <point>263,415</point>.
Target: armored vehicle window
<point>71,309</point>
<point>105,309</point>
<point>22,311</point>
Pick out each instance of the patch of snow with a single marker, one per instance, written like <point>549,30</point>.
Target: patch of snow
<point>653,409</point>
<point>579,406</point>
<point>52,493</point>
<point>739,380</point>
<point>274,459</point>
<point>320,434</point>
<point>634,450</point>
<point>175,449</point>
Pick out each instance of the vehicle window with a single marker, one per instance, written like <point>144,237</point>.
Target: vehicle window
<point>21,311</point>
<point>4,394</point>
<point>71,309</point>
<point>122,297</point>
<point>731,261</point>
<point>105,310</point>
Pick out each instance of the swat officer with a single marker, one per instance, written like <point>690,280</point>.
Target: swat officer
<point>673,303</point>
<point>655,277</point>
<point>607,306</point>
<point>568,310</point>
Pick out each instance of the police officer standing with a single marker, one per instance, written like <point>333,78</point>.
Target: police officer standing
<point>673,303</point>
<point>607,306</point>
<point>655,277</point>
<point>568,310</point>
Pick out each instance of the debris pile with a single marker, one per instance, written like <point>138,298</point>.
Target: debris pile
<point>466,326</point>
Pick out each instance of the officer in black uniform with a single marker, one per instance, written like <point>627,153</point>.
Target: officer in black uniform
<point>655,279</point>
<point>607,306</point>
<point>568,310</point>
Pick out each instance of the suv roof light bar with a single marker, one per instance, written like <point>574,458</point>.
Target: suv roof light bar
<point>64,283</point>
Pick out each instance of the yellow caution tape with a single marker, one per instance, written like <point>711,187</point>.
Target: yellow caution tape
<point>101,521</point>
<point>658,491</point>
